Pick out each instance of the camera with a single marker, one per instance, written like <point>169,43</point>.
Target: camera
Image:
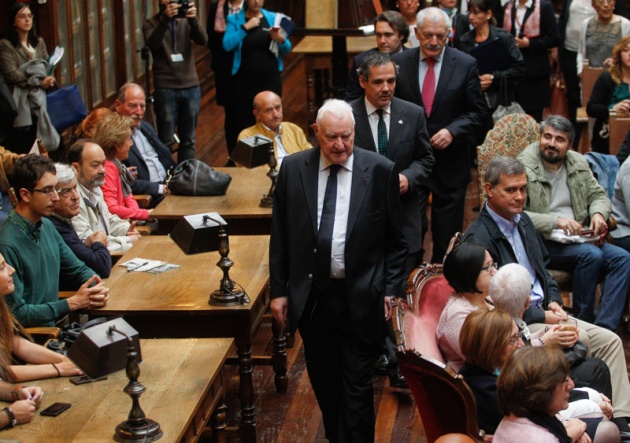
<point>183,8</point>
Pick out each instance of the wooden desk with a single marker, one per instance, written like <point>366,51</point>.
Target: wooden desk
<point>318,52</point>
<point>240,206</point>
<point>183,389</point>
<point>175,304</point>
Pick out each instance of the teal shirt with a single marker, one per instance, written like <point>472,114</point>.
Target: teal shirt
<point>621,93</point>
<point>39,255</point>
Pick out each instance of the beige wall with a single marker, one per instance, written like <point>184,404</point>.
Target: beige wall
<point>321,14</point>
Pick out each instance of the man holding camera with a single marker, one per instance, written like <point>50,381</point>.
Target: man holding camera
<point>168,35</point>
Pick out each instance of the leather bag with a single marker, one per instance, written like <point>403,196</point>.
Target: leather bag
<point>194,177</point>
<point>65,107</point>
<point>559,104</point>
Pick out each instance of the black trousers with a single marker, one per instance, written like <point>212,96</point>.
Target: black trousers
<point>340,365</point>
<point>447,214</point>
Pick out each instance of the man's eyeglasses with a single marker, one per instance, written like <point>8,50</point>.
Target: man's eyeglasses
<point>49,191</point>
<point>490,267</point>
<point>65,192</point>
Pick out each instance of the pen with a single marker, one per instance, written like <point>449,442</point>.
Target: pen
<point>137,267</point>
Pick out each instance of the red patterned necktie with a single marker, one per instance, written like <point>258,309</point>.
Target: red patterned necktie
<point>428,87</point>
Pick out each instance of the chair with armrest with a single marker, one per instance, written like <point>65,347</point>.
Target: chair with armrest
<point>143,200</point>
<point>618,126</point>
<point>589,77</point>
<point>445,402</point>
<point>41,334</point>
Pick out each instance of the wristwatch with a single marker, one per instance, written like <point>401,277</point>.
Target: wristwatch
<point>12,420</point>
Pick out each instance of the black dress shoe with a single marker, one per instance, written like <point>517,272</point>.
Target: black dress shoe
<point>625,436</point>
<point>398,381</point>
<point>380,365</point>
<point>622,424</point>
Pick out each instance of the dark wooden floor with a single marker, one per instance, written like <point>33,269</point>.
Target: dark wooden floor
<point>294,417</point>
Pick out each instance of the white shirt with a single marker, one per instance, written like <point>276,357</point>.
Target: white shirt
<point>342,208</point>
<point>520,14</point>
<point>373,119</point>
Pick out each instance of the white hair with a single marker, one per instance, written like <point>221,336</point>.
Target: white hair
<point>65,173</point>
<point>433,14</point>
<point>510,288</point>
<point>338,108</point>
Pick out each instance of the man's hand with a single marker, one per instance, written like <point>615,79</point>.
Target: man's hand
<point>557,310</point>
<point>598,224</point>
<point>388,308</point>
<point>279,308</point>
<point>442,139</point>
<point>171,9</point>
<point>98,236</point>
<point>23,410</point>
<point>555,337</point>
<point>486,81</point>
<point>192,10</point>
<point>570,227</point>
<point>90,297</point>
<point>33,393</point>
<point>404,183</point>
<point>133,233</point>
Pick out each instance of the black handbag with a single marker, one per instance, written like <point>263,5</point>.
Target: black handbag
<point>194,177</point>
<point>576,353</point>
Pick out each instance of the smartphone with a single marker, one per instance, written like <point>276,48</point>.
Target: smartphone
<point>55,409</point>
<point>83,379</point>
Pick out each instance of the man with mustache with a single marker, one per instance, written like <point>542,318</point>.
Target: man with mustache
<point>88,160</point>
<point>397,130</point>
<point>445,82</point>
<point>30,243</point>
<point>151,159</point>
<point>288,138</point>
<point>564,198</point>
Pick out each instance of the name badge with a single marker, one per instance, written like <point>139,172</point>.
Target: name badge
<point>177,58</point>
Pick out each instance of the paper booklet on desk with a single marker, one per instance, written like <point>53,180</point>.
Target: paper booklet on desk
<point>491,56</point>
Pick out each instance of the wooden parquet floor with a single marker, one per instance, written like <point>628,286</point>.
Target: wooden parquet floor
<point>294,417</point>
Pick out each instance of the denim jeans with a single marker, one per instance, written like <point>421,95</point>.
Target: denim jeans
<point>178,108</point>
<point>590,264</point>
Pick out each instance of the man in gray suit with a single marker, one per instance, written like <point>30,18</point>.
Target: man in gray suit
<point>337,253</point>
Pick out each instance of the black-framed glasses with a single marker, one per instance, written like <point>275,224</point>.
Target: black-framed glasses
<point>48,191</point>
<point>489,267</point>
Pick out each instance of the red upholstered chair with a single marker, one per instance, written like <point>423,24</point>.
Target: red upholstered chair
<point>445,402</point>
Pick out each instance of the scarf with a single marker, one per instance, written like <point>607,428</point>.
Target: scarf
<point>551,424</point>
<point>126,179</point>
<point>219,18</point>
<point>531,26</point>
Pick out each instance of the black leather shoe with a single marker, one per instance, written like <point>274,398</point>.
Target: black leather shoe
<point>398,381</point>
<point>625,436</point>
<point>380,365</point>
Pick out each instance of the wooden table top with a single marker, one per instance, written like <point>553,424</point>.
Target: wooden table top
<point>177,375</point>
<point>318,44</point>
<point>187,288</point>
<point>242,199</point>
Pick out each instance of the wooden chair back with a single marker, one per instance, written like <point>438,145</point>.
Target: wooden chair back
<point>509,137</point>
<point>589,77</point>
<point>618,126</point>
<point>445,402</point>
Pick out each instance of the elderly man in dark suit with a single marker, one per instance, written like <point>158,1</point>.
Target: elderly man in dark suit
<point>445,82</point>
<point>148,154</point>
<point>337,253</point>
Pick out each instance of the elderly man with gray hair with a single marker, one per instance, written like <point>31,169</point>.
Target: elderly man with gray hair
<point>93,250</point>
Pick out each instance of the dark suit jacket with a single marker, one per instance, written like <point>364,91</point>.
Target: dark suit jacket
<point>458,106</point>
<point>410,151</point>
<point>143,184</point>
<point>375,249</point>
<point>353,87</point>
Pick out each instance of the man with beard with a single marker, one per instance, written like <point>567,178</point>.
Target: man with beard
<point>31,244</point>
<point>563,199</point>
<point>88,160</point>
<point>288,138</point>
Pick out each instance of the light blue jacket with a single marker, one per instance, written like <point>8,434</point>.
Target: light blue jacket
<point>234,36</point>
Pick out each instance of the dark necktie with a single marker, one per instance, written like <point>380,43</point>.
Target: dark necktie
<point>428,86</point>
<point>325,233</point>
<point>381,133</point>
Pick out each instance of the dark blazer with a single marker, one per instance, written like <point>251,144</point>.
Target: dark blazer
<point>353,87</point>
<point>461,26</point>
<point>410,151</point>
<point>483,385</point>
<point>221,61</point>
<point>375,249</point>
<point>486,232</point>
<point>458,106</point>
<point>143,184</point>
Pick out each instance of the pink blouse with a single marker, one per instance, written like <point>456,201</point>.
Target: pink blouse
<point>512,429</point>
<point>117,203</point>
<point>455,312</point>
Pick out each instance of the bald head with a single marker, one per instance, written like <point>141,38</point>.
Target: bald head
<point>268,109</point>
